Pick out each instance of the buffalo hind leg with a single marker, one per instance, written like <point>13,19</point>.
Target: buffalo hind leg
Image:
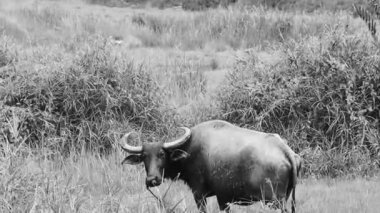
<point>281,204</point>
<point>201,202</point>
<point>278,204</point>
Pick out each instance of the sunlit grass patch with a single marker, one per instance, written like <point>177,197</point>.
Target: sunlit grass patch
<point>351,195</point>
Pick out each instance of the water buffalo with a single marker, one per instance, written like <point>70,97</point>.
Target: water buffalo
<point>217,158</point>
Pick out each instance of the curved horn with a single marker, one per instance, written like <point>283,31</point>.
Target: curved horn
<point>180,140</point>
<point>128,148</point>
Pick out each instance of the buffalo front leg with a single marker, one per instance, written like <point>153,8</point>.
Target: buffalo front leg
<point>201,202</point>
<point>223,205</point>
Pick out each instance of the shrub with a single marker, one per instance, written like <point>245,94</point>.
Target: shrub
<point>83,105</point>
<point>326,98</point>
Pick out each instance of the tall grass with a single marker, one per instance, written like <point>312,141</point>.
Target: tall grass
<point>321,97</point>
<point>237,28</point>
<point>89,183</point>
<point>83,98</point>
<point>84,102</point>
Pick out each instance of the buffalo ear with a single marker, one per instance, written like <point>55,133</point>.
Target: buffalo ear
<point>178,154</point>
<point>132,159</point>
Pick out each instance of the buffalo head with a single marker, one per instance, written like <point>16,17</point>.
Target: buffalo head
<point>157,157</point>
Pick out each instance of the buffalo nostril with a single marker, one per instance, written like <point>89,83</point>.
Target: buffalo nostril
<point>153,181</point>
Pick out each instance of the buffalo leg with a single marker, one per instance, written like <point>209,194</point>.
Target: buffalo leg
<point>223,205</point>
<point>283,206</point>
<point>278,204</point>
<point>201,202</point>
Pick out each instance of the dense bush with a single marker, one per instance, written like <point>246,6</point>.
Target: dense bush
<point>81,105</point>
<point>322,97</point>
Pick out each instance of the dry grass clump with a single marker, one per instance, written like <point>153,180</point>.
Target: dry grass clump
<point>17,187</point>
<point>83,104</point>
<point>338,162</point>
<point>6,57</point>
<point>321,97</point>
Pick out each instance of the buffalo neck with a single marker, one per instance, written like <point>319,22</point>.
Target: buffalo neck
<point>174,170</point>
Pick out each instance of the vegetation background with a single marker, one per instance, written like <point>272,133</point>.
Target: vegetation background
<point>76,75</point>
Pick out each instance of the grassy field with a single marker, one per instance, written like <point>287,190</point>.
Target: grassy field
<point>75,76</point>
<point>89,183</point>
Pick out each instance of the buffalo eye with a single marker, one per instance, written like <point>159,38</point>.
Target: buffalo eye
<point>161,154</point>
